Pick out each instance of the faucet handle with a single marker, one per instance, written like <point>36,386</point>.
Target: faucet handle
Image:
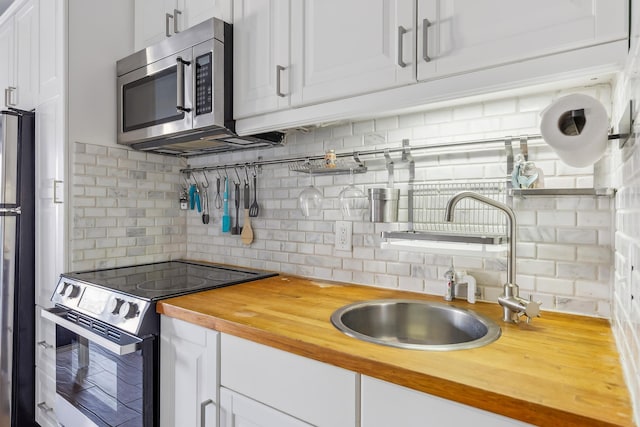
<point>531,308</point>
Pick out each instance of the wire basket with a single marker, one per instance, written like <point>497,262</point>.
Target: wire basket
<point>470,217</point>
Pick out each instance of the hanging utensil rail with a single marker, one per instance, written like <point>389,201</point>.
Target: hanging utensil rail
<point>403,150</point>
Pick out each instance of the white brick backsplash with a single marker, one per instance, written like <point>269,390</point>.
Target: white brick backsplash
<point>562,241</point>
<point>111,206</point>
<point>550,285</point>
<point>556,252</point>
<point>556,219</point>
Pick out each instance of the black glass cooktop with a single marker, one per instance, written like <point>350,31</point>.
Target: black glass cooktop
<point>167,279</point>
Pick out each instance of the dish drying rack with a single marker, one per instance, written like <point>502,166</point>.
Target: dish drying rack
<point>474,222</point>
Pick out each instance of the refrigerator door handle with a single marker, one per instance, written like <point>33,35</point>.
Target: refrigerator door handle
<point>16,211</point>
<point>58,191</point>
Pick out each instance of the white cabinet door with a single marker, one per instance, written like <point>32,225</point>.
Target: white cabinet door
<point>50,224</point>
<point>367,46</point>
<point>261,66</point>
<point>52,58</point>
<point>154,21</point>
<point>7,64</point>
<point>239,411</point>
<point>196,11</point>
<point>45,397</point>
<point>188,374</point>
<point>467,35</point>
<point>45,371</point>
<point>26,56</point>
<point>385,404</point>
<point>315,392</point>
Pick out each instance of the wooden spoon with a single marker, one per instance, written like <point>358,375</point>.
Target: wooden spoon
<point>247,232</point>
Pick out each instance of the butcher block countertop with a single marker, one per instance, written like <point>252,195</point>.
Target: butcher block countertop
<point>560,370</point>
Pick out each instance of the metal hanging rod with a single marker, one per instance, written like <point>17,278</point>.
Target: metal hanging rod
<point>399,150</point>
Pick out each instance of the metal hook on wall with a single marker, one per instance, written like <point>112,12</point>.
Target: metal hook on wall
<point>204,174</point>
<point>387,156</point>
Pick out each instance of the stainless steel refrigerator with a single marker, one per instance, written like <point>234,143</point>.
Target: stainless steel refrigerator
<point>17,253</point>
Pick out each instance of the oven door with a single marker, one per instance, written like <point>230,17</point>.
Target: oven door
<point>104,376</point>
<point>153,101</point>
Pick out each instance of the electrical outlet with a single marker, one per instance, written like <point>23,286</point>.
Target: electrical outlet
<point>344,232</point>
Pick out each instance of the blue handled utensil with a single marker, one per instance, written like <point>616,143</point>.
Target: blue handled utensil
<point>226,220</point>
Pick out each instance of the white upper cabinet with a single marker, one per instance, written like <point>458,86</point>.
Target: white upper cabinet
<point>19,58</point>
<point>156,20</point>
<point>6,61</point>
<point>26,56</point>
<point>261,65</point>
<point>342,48</point>
<point>465,35</point>
<point>369,57</point>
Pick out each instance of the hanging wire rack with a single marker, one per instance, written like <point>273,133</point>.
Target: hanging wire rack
<point>471,217</point>
<point>319,167</point>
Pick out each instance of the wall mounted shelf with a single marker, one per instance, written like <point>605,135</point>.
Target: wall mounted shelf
<point>532,192</point>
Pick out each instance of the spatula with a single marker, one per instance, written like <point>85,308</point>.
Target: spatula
<point>247,232</point>
<point>254,208</point>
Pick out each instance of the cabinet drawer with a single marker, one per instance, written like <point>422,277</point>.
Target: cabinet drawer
<point>45,344</point>
<point>45,398</point>
<point>312,391</point>
<point>385,404</point>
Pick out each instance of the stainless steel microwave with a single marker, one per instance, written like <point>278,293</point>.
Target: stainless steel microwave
<point>176,97</point>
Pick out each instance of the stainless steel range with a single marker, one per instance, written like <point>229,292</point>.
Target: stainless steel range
<point>107,346</point>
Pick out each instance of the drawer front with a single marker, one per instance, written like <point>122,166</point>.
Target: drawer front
<point>45,344</point>
<point>312,391</point>
<point>45,398</point>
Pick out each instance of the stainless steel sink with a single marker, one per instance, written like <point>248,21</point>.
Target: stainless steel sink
<point>414,324</point>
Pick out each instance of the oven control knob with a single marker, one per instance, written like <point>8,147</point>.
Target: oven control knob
<point>129,310</point>
<point>69,290</point>
<point>115,304</point>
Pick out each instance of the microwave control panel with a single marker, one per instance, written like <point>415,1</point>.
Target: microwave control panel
<point>204,84</point>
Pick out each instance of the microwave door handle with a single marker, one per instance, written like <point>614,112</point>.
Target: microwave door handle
<point>181,85</point>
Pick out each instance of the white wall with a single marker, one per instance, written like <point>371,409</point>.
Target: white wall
<point>625,167</point>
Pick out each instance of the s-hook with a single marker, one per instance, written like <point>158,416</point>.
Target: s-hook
<point>218,199</point>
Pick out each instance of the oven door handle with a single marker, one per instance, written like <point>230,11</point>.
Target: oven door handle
<point>52,315</point>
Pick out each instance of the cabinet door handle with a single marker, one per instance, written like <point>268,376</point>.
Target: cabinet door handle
<point>167,17</point>
<point>425,39</point>
<point>401,31</point>
<point>180,85</point>
<point>203,411</point>
<point>7,97</point>
<point>58,191</point>
<point>176,12</point>
<point>45,345</point>
<point>279,70</point>
<point>43,406</point>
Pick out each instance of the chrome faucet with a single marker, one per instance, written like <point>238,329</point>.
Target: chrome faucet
<point>450,275</point>
<point>512,304</point>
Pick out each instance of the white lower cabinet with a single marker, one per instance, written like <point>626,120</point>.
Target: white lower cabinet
<point>385,404</point>
<point>45,371</point>
<point>307,390</point>
<point>239,411</point>
<point>214,379</point>
<point>188,374</point>
<point>45,397</point>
